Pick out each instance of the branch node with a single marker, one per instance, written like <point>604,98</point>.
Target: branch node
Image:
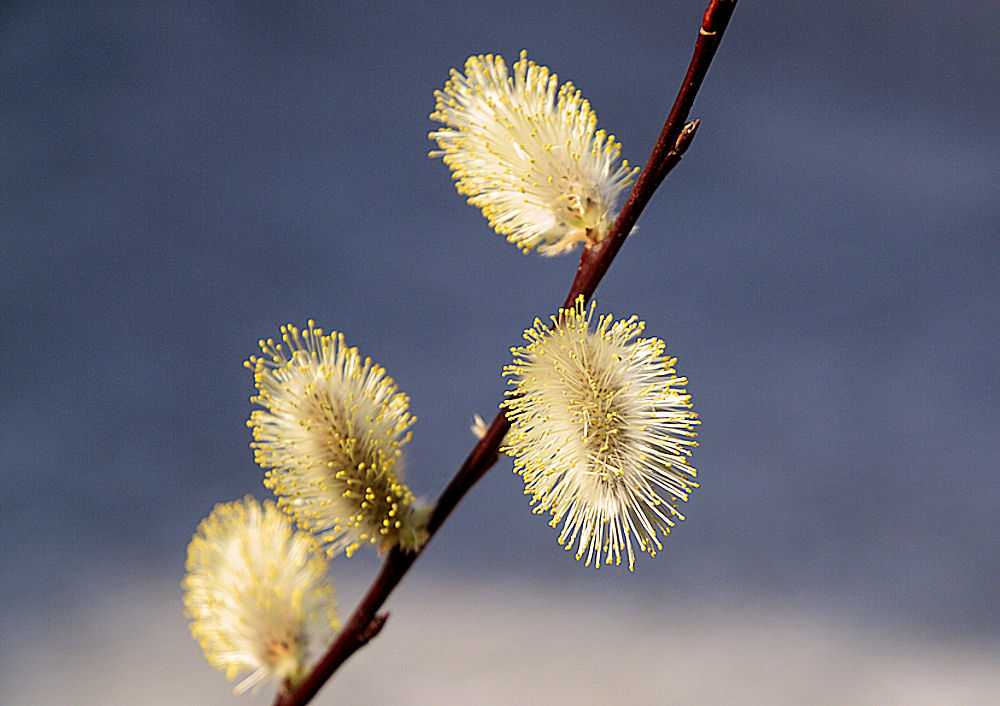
<point>374,628</point>
<point>687,135</point>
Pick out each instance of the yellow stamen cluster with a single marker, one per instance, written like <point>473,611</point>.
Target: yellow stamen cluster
<point>529,156</point>
<point>601,432</point>
<point>329,438</point>
<point>257,594</point>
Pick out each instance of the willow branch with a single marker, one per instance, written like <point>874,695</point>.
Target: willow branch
<point>675,137</point>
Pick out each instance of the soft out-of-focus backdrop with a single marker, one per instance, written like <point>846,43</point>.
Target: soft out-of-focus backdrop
<point>178,179</point>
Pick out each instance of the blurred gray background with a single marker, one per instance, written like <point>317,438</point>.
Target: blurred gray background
<point>179,179</point>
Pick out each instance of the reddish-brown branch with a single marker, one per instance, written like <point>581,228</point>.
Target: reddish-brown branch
<point>674,139</point>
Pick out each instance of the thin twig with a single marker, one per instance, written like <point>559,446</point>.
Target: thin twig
<point>675,137</point>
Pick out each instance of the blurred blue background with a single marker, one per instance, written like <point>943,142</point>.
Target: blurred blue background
<point>179,179</point>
